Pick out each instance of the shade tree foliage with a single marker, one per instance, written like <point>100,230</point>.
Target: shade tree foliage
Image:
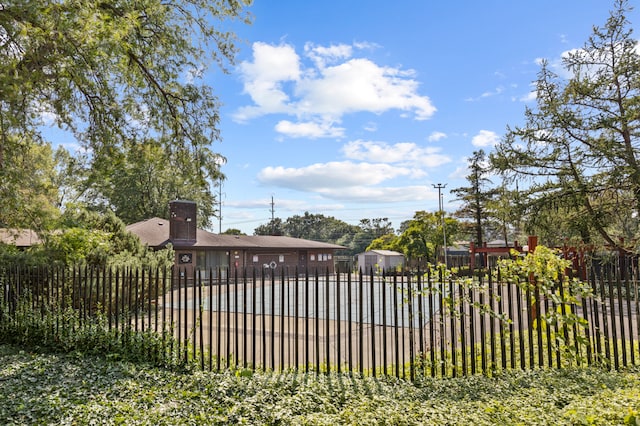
<point>424,236</point>
<point>143,180</point>
<point>421,238</point>
<point>318,227</point>
<point>123,79</point>
<point>274,227</point>
<point>82,236</point>
<point>115,76</point>
<point>28,193</point>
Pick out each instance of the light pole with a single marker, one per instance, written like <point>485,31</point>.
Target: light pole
<point>440,186</point>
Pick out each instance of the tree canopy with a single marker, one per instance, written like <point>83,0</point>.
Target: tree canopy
<point>328,229</point>
<point>420,237</point>
<point>477,196</point>
<point>579,150</point>
<point>116,75</point>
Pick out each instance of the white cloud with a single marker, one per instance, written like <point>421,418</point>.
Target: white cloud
<point>322,55</point>
<point>436,136</point>
<point>464,170</point>
<point>371,126</point>
<point>334,84</point>
<point>322,176</point>
<point>485,138</point>
<point>365,175</point>
<point>272,63</point>
<point>309,129</point>
<point>46,113</point>
<point>49,118</point>
<point>365,194</point>
<point>529,97</point>
<point>589,68</point>
<point>495,92</point>
<point>265,203</point>
<point>461,172</point>
<point>264,79</point>
<point>402,153</point>
<point>193,73</point>
<point>361,85</point>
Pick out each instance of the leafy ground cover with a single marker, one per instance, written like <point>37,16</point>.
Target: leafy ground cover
<point>48,388</point>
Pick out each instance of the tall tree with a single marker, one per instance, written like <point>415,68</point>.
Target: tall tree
<point>28,195</point>
<point>579,148</point>
<point>274,227</point>
<point>142,181</point>
<point>476,196</point>
<point>70,176</point>
<point>367,231</point>
<point>422,235</point>
<point>329,229</point>
<point>115,74</point>
<point>506,211</point>
<point>376,227</point>
<point>385,242</point>
<point>317,227</point>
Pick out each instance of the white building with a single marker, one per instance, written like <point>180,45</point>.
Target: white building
<point>379,260</point>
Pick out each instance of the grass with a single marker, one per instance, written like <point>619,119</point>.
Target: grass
<point>53,388</point>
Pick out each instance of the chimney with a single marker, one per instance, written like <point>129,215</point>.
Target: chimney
<point>182,221</point>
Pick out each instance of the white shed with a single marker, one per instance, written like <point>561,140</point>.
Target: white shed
<point>379,260</point>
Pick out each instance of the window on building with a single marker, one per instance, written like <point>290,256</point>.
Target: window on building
<point>212,261</point>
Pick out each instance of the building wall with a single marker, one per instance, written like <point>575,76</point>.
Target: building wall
<point>321,260</point>
<point>269,260</point>
<point>393,261</point>
<point>377,261</point>
<point>290,260</point>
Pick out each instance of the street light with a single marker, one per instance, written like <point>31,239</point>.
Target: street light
<point>440,186</point>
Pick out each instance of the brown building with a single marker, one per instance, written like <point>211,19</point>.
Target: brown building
<point>21,238</point>
<point>206,251</point>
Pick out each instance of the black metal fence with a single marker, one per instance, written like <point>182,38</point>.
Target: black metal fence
<point>402,325</point>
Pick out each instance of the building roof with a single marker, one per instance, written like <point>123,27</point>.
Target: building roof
<point>268,241</point>
<point>19,237</point>
<point>155,233</point>
<point>385,252</point>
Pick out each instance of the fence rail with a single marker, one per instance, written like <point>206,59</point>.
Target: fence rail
<point>400,325</point>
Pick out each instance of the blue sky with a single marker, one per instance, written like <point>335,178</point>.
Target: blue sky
<point>355,109</point>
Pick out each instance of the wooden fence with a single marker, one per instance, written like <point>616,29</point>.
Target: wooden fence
<point>400,325</point>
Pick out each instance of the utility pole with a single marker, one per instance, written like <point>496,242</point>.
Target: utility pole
<point>220,206</point>
<point>440,186</point>
<point>273,230</point>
